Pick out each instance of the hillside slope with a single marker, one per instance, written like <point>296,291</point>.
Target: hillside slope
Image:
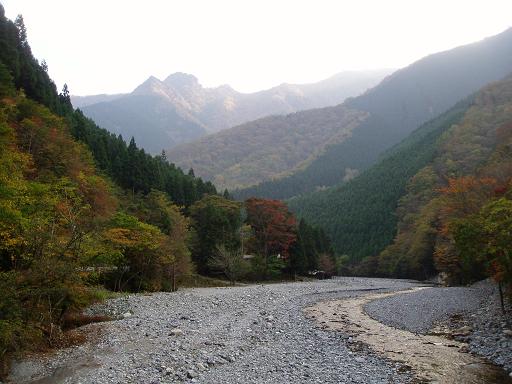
<point>162,114</point>
<point>396,107</point>
<point>455,216</point>
<point>361,216</point>
<point>267,147</point>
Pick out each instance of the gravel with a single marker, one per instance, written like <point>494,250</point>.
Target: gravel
<point>251,334</point>
<point>418,311</point>
<point>468,314</point>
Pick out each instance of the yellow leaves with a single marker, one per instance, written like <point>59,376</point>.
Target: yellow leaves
<point>121,236</point>
<point>129,232</point>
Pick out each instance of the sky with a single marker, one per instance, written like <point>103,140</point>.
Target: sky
<point>111,46</point>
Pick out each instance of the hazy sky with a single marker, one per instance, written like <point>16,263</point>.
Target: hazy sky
<point>109,46</point>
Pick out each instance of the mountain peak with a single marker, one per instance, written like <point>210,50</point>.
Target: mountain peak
<point>181,80</point>
<point>149,86</point>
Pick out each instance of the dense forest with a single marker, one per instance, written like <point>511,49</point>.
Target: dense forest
<point>82,212</point>
<point>396,107</point>
<point>267,148</point>
<point>456,216</point>
<point>359,215</point>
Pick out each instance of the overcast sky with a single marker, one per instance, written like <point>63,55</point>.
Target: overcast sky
<point>110,46</point>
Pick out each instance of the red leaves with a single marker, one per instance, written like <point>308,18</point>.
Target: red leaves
<point>274,225</point>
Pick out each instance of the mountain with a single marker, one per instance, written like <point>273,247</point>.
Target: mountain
<point>162,114</point>
<point>396,211</point>
<point>75,200</point>
<point>267,147</point>
<point>83,101</point>
<point>455,215</point>
<point>148,116</point>
<point>360,214</point>
<point>396,107</point>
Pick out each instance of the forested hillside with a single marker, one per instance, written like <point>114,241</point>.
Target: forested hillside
<point>396,107</point>
<point>163,113</point>
<point>267,148</point>
<point>456,216</point>
<point>360,214</point>
<point>441,195</point>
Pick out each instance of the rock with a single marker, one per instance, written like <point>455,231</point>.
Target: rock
<point>464,349</point>
<point>176,332</point>
<point>219,336</point>
<point>507,332</point>
<point>127,315</point>
<point>191,374</point>
<point>210,361</point>
<point>462,331</point>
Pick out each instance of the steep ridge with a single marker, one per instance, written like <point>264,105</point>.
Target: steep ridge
<point>162,114</point>
<point>360,214</point>
<point>401,198</point>
<point>455,216</point>
<point>396,107</point>
<point>83,101</point>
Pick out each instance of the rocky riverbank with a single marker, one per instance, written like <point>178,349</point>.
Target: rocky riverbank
<point>259,334</point>
<point>471,315</point>
<point>431,358</point>
<point>253,334</point>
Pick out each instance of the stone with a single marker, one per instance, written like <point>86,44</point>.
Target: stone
<point>176,332</point>
<point>464,349</point>
<point>462,331</point>
<point>191,374</point>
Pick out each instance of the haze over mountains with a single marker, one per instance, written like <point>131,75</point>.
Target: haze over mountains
<point>162,114</point>
<point>395,108</point>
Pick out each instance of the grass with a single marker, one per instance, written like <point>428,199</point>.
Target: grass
<point>198,281</point>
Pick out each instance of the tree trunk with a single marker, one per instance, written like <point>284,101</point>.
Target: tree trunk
<point>502,302</point>
<point>173,278</point>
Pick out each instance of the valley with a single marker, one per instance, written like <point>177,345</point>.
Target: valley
<point>356,229</point>
<point>394,109</point>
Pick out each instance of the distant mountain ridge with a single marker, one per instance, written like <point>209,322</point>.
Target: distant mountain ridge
<point>396,107</point>
<point>268,147</point>
<point>161,114</point>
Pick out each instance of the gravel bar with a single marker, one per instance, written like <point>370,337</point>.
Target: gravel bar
<point>471,315</point>
<point>250,334</point>
<point>418,311</point>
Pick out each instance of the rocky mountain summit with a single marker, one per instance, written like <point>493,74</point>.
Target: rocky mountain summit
<point>163,113</point>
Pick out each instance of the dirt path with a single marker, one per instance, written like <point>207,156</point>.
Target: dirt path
<point>432,359</point>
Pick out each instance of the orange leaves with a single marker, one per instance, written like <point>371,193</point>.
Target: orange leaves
<point>97,194</point>
<point>465,195</point>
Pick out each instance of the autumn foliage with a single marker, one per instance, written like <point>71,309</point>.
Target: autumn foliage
<point>274,226</point>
